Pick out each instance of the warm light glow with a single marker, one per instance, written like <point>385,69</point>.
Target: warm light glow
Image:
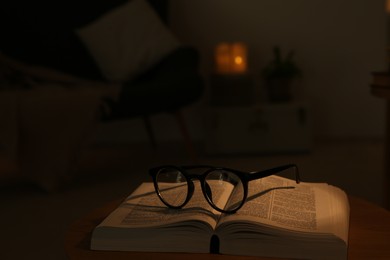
<point>231,58</point>
<point>388,6</point>
<point>223,58</point>
<point>238,60</point>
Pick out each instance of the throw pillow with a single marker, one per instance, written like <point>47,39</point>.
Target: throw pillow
<point>127,40</point>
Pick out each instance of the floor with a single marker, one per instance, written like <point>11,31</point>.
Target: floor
<point>33,222</point>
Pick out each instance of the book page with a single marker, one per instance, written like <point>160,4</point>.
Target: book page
<point>280,202</point>
<point>143,208</point>
<point>333,207</point>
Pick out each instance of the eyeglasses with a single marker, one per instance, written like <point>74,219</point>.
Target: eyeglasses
<point>174,185</point>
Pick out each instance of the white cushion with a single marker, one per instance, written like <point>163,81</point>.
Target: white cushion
<point>127,40</point>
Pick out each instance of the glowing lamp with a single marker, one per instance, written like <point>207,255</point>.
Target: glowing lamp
<point>231,58</point>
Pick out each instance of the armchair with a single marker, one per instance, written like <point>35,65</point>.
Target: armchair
<point>46,47</point>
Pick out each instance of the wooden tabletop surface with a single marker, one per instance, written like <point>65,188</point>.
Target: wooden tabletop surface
<point>369,236</point>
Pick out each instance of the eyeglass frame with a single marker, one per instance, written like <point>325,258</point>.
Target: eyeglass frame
<point>245,178</point>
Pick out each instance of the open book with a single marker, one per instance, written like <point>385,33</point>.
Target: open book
<point>279,219</point>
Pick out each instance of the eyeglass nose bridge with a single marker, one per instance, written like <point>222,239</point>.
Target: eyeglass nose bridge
<point>206,189</point>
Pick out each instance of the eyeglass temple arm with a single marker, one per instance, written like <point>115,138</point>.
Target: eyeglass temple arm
<point>272,171</point>
<point>186,167</point>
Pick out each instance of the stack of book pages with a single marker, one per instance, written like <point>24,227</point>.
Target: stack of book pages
<point>279,219</point>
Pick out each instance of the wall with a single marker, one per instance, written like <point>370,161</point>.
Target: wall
<point>337,44</point>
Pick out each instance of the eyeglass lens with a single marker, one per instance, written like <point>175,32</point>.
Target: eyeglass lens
<point>172,185</point>
<point>221,181</point>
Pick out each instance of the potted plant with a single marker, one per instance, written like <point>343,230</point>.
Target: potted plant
<point>278,75</point>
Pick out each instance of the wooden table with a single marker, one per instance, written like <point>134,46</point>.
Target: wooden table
<point>369,237</point>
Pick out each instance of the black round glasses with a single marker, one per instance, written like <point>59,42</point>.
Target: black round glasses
<point>174,186</point>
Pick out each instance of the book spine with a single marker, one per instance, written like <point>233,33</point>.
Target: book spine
<point>214,244</point>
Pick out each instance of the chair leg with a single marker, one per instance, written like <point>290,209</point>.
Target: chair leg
<point>186,136</point>
<point>149,130</point>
